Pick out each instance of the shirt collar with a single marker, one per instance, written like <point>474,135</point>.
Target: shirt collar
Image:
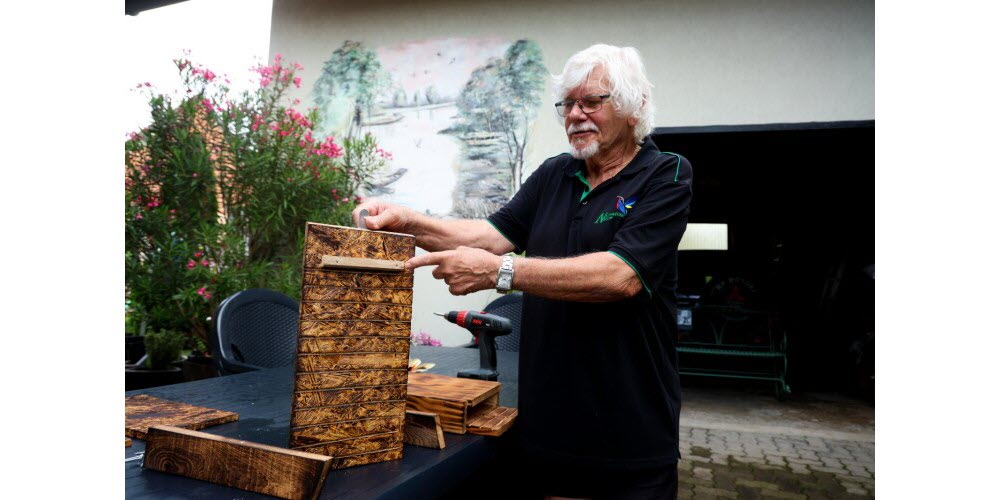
<point>647,152</point>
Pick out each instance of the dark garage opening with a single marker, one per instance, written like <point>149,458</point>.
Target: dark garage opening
<point>799,203</point>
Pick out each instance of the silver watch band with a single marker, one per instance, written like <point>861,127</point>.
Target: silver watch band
<point>505,275</point>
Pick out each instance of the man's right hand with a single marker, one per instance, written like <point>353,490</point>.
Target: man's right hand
<point>383,216</point>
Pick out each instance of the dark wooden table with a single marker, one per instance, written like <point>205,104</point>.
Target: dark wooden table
<point>263,401</point>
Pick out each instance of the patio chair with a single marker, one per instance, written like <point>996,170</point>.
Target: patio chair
<point>254,329</point>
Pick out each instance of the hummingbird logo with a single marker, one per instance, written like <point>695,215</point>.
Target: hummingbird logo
<point>624,205</point>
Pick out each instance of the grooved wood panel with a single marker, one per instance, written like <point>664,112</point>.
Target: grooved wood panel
<point>349,396</point>
<point>348,328</point>
<point>240,464</point>
<point>143,411</point>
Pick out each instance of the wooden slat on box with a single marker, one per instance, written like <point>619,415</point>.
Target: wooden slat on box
<point>488,420</point>
<point>329,415</point>
<point>143,411</point>
<point>359,280</point>
<point>354,327</point>
<point>348,328</point>
<point>423,429</point>
<point>239,464</point>
<point>349,294</point>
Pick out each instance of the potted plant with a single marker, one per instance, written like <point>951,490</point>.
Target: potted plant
<point>163,350</point>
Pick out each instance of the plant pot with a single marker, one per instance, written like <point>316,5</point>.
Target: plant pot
<point>144,378</point>
<point>135,348</point>
<point>198,368</point>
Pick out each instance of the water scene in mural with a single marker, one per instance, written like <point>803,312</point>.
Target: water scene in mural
<point>455,114</point>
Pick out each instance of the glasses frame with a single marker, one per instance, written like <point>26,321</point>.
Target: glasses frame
<point>561,105</point>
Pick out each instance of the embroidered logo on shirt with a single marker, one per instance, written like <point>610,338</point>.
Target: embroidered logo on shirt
<point>623,207</point>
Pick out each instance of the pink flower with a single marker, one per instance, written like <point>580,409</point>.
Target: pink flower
<point>194,174</point>
<point>191,264</point>
<point>208,105</point>
<point>297,81</point>
<point>138,216</point>
<point>204,293</point>
<point>196,254</point>
<point>204,263</point>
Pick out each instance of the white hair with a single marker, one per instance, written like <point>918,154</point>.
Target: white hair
<point>630,89</point>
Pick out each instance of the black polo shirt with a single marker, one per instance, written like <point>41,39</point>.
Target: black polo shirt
<point>598,382</point>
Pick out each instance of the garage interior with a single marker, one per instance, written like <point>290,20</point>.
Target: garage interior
<point>799,202</point>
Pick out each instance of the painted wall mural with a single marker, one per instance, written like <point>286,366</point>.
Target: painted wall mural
<point>455,114</point>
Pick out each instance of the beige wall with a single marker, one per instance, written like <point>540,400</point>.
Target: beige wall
<point>712,63</point>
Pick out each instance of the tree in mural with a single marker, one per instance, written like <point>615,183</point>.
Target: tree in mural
<point>502,98</point>
<point>352,72</point>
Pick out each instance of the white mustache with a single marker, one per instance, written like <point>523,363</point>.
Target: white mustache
<point>583,127</point>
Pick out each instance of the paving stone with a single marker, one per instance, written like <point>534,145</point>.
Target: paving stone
<point>708,492</point>
<point>799,468</point>
<point>783,494</point>
<point>702,473</point>
<point>831,470</point>
<point>804,461</point>
<point>757,484</point>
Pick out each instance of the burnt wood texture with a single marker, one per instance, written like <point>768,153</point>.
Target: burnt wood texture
<point>241,464</point>
<point>423,429</point>
<point>349,396</point>
<point>143,411</point>
<point>464,405</point>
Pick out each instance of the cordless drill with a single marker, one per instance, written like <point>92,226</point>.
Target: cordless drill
<point>485,327</point>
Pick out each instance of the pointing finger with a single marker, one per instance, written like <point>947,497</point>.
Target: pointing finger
<point>427,259</point>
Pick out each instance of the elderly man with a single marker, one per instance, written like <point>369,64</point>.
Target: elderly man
<point>599,397</point>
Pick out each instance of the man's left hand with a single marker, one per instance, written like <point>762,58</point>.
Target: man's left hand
<point>464,269</point>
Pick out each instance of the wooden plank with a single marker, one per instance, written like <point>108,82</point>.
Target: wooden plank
<point>451,413</point>
<point>239,464</point>
<point>353,349</point>
<point>423,429</point>
<point>322,277</point>
<point>489,420</point>
<point>354,329</point>
<point>453,388</point>
<point>356,263</point>
<point>355,345</point>
<point>143,411</point>
<point>347,396</point>
<point>352,294</point>
<point>357,446</point>
<point>312,311</point>
<point>323,239</point>
<point>367,458</point>
<point>333,415</point>
<point>348,379</point>
<point>351,361</point>
<point>314,434</point>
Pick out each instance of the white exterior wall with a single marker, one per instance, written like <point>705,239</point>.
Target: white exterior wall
<point>711,63</point>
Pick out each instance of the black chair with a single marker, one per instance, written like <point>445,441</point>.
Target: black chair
<point>254,329</point>
<point>508,306</point>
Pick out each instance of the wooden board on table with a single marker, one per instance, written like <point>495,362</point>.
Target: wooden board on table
<point>349,396</point>
<point>451,398</point>
<point>143,411</point>
<point>232,462</point>
<point>423,429</point>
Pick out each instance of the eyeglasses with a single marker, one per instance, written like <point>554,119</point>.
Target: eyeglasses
<point>588,104</point>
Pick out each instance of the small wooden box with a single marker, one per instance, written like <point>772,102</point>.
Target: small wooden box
<point>464,405</point>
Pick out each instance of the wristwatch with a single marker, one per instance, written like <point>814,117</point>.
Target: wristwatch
<point>505,275</point>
